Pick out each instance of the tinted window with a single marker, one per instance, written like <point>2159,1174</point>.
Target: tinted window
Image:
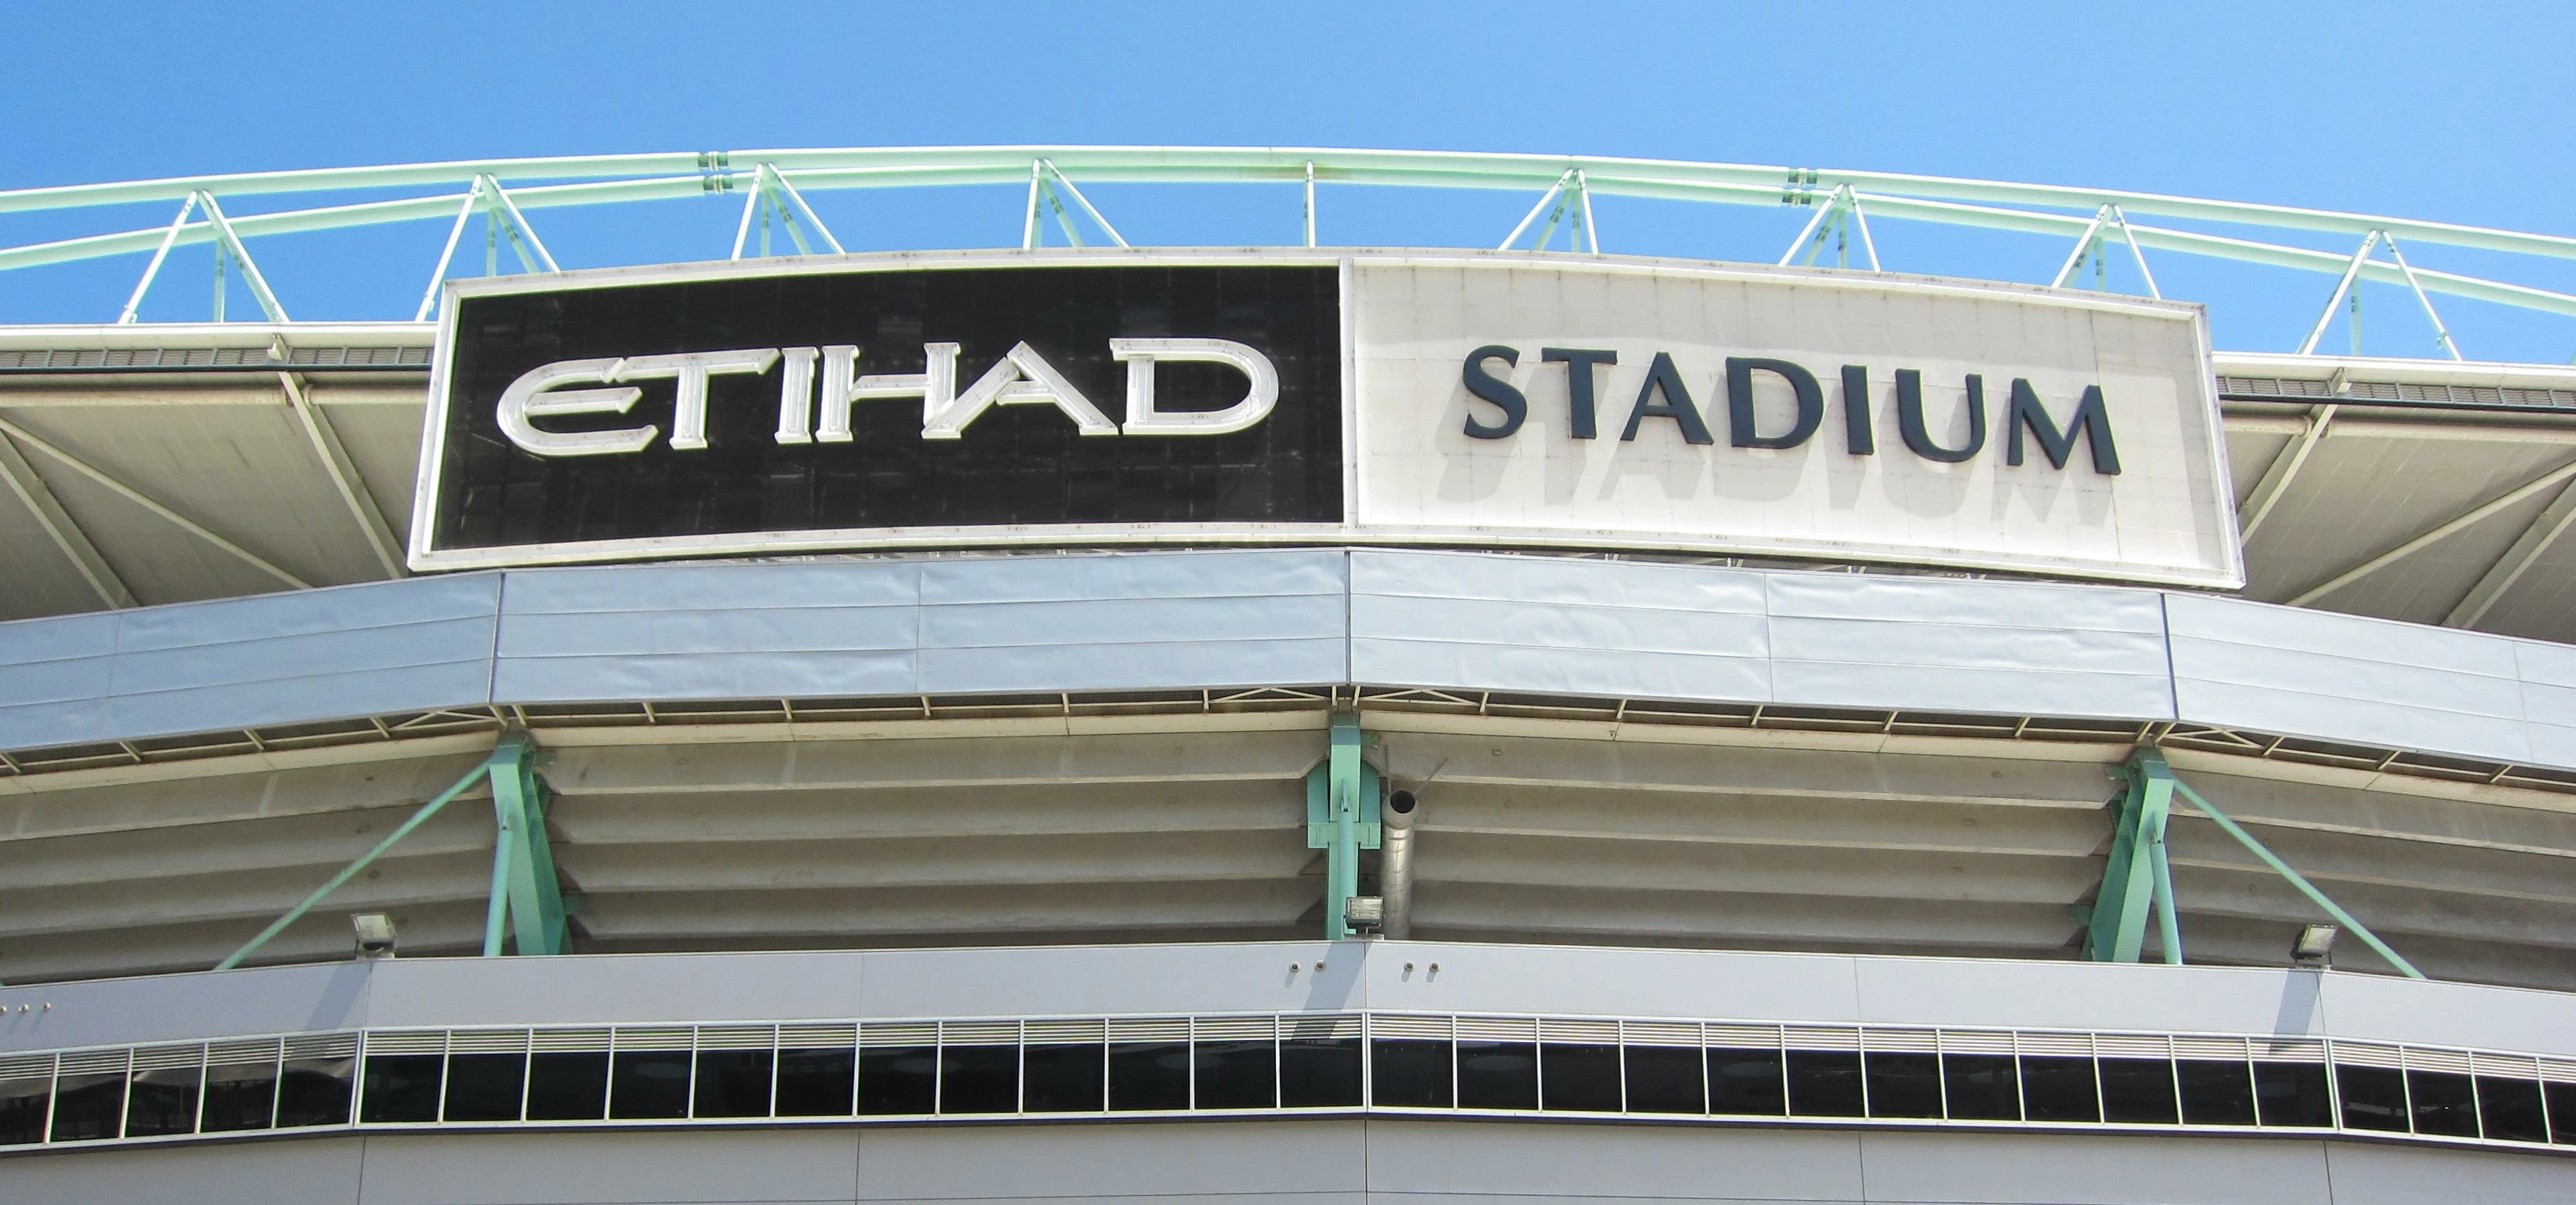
<point>1319,1073</point>
<point>88,1106</point>
<point>2562,1112</point>
<point>400,1087</point>
<point>1980,1087</point>
<point>485,1087</point>
<point>1671,1079</point>
<point>2061,1088</point>
<point>732,1083</point>
<point>1582,1077</point>
<point>2215,1092</point>
<point>979,1079</point>
<point>2292,1094</point>
<point>1410,1073</point>
<point>1822,1083</point>
<point>2374,1098</point>
<point>817,1082</point>
<point>2444,1104</point>
<point>2138,1091</point>
<point>22,1109</point>
<point>1064,1079</point>
<point>315,1092</point>
<point>2509,1110</point>
<point>1237,1075</point>
<point>647,1084</point>
<point>1497,1075</point>
<point>568,1085</point>
<point>1903,1085</point>
<point>898,1079</point>
<point>243,1096</point>
<point>162,1101</point>
<point>1149,1075</point>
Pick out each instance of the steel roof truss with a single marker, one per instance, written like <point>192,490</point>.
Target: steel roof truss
<point>772,195</point>
<point>345,477</point>
<point>1044,180</point>
<point>61,528</point>
<point>137,497</point>
<point>2275,484</point>
<point>2347,285</point>
<point>228,249</point>
<point>2090,242</point>
<point>2459,523</point>
<point>1841,212</point>
<point>2517,560</point>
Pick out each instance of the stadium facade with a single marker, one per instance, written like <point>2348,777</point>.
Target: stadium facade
<point>1279,724</point>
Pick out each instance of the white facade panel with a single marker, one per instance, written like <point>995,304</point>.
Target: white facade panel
<point>1664,458</point>
<point>1993,647</point>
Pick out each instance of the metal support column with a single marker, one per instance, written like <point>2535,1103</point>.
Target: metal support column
<point>1342,819</point>
<point>2138,875</point>
<point>526,901</point>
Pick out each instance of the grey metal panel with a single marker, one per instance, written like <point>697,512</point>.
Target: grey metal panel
<point>1078,980</point>
<point>2548,673</point>
<point>707,632</point>
<point>299,1171</point>
<point>1560,1163</point>
<point>2381,1008</point>
<point>177,1008</point>
<point>2090,1169</point>
<point>386,647</point>
<point>54,677</point>
<point>2338,677</point>
<point>1132,621</point>
<point>584,1168</point>
<point>1843,640</point>
<point>1271,1161</point>
<point>2114,996</point>
<point>615,989</point>
<point>1636,983</point>
<point>2370,1174</point>
<point>1554,626</point>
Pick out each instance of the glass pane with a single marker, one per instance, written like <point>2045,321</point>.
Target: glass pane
<point>1497,1075</point>
<point>1822,1083</point>
<point>733,1083</point>
<point>820,1082</point>
<point>1238,1075</point>
<point>22,1109</point>
<point>1582,1077</point>
<point>648,1084</point>
<point>2509,1109</point>
<point>2215,1092</point>
<point>1319,1073</point>
<point>568,1085</point>
<point>401,1087</point>
<point>1903,1085</point>
<point>2374,1098</point>
<point>1410,1073</point>
<point>979,1079</point>
<point>2138,1091</point>
<point>1064,1079</point>
<point>898,1079</point>
<point>1149,1075</point>
<point>163,1101</point>
<point>88,1106</point>
<point>485,1087</point>
<point>1668,1079</point>
<point>1981,1087</point>
<point>2294,1094</point>
<point>243,1096</point>
<point>315,1092</point>
<point>2562,1112</point>
<point>2444,1104</point>
<point>2061,1088</point>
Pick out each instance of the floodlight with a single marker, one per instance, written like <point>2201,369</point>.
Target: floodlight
<point>375,934</point>
<point>2314,944</point>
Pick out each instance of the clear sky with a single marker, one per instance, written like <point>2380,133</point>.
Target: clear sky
<point>2455,112</point>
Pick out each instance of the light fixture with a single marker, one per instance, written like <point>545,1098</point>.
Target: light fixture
<point>2314,944</point>
<point>1365,911</point>
<point>375,934</point>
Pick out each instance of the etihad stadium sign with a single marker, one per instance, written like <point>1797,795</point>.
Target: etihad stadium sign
<point>1123,398</point>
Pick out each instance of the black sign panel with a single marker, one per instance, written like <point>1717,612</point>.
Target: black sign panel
<point>1024,459</point>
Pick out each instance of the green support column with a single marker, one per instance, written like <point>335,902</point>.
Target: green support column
<point>527,901</point>
<point>2137,876</point>
<point>1342,819</point>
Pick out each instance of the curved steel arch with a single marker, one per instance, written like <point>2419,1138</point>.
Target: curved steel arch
<point>546,183</point>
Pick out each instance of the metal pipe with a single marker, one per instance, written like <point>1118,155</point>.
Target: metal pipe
<point>1395,862</point>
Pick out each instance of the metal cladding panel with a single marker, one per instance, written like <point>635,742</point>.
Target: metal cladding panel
<point>306,1171</point>
<point>2548,673</point>
<point>2384,1009</point>
<point>1552,626</point>
<point>2087,1169</point>
<point>1281,1162</point>
<point>2133,996</point>
<point>1113,980</point>
<point>614,989</point>
<point>1131,622</point>
<point>1996,647</point>
<point>2339,677</point>
<point>1507,1161</point>
<point>768,1166</point>
<point>708,632</point>
<point>178,1008</point>
<point>54,679</point>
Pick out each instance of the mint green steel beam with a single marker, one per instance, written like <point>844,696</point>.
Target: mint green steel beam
<point>418,818</point>
<point>526,902</point>
<point>1342,819</point>
<point>2137,877</point>
<point>2299,881</point>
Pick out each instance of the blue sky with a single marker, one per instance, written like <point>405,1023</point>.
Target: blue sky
<point>2462,113</point>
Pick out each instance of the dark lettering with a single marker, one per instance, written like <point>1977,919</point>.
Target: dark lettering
<point>1909,418</point>
<point>1677,406</point>
<point>1488,387</point>
<point>2090,418</point>
<point>1739,402</point>
<point>1578,363</point>
<point>1858,439</point>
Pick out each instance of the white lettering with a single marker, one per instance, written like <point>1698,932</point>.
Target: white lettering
<point>1022,378</point>
<point>844,387</point>
<point>534,395</point>
<point>691,369</point>
<point>1144,419</point>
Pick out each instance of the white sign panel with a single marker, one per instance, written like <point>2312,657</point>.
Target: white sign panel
<point>1787,413</point>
